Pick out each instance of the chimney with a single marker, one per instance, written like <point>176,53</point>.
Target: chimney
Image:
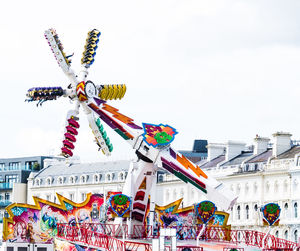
<point>282,142</point>
<point>214,150</point>
<point>260,144</point>
<point>233,149</point>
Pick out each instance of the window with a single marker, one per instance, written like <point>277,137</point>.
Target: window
<point>83,179</point>
<point>108,177</point>
<point>72,196</point>
<point>49,181</point>
<point>54,199</point>
<point>247,168</point>
<point>296,210</point>
<point>7,196</point>
<point>255,167</point>
<point>277,234</point>
<point>72,179</point>
<point>48,197</point>
<point>286,234</point>
<point>238,212</point>
<point>60,180</point>
<point>13,165</point>
<point>247,212</point>
<point>121,176</point>
<point>32,165</point>
<point>286,209</point>
<point>37,182</point>
<point>160,178</point>
<point>255,207</point>
<point>83,196</point>
<point>96,178</point>
<point>2,165</point>
<point>12,178</point>
<point>296,236</point>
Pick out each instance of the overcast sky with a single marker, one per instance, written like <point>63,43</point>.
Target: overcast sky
<point>215,70</point>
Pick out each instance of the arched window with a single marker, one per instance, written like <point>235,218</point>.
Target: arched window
<point>160,178</point>
<point>238,209</point>
<point>286,209</point>
<point>49,181</point>
<point>108,177</point>
<point>72,179</point>
<point>83,179</point>
<point>60,180</point>
<point>37,182</point>
<point>286,234</point>
<point>296,210</point>
<point>247,212</point>
<point>296,236</point>
<point>277,234</point>
<point>256,167</point>
<point>121,176</point>
<point>96,178</point>
<point>255,207</point>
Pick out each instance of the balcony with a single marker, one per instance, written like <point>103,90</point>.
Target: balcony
<point>20,168</point>
<point>6,186</point>
<point>5,203</point>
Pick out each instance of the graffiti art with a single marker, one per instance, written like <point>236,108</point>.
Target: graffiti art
<point>38,223</point>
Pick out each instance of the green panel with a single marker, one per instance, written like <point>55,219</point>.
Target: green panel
<point>118,131</point>
<point>186,179</point>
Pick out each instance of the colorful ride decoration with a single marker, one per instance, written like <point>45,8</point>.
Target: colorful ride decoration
<point>205,210</point>
<point>271,213</point>
<point>151,142</point>
<point>158,135</point>
<point>120,205</point>
<point>38,223</point>
<point>185,219</point>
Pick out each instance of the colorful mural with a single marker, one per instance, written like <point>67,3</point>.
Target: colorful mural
<point>184,219</point>
<point>38,223</point>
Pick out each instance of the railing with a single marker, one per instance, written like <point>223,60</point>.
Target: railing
<point>87,237</point>
<point>89,233</point>
<point>6,185</point>
<point>19,168</point>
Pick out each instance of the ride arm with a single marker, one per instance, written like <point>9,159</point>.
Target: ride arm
<point>189,172</point>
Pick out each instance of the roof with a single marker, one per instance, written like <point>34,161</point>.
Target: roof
<point>238,159</point>
<point>213,162</point>
<point>61,169</point>
<point>262,157</point>
<point>289,153</point>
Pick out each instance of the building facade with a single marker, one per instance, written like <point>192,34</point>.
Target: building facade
<point>14,172</point>
<point>259,174</point>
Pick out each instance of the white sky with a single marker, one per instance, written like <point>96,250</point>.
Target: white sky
<point>215,70</point>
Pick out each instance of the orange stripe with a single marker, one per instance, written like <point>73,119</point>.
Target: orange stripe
<point>116,114</point>
<point>188,165</point>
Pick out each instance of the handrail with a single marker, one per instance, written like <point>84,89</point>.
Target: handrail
<point>109,233</point>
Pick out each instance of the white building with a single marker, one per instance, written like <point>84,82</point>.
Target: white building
<point>75,180</point>
<point>258,174</point>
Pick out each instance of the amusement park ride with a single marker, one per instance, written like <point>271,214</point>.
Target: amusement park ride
<point>151,142</point>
